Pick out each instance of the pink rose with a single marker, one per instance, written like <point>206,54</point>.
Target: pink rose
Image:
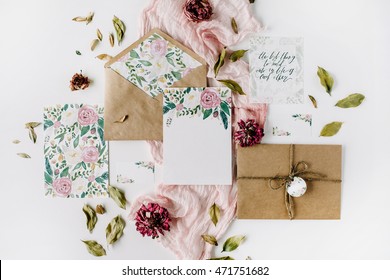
<point>159,47</point>
<point>62,186</point>
<point>90,154</point>
<point>209,99</point>
<point>57,124</point>
<point>179,107</point>
<point>87,115</point>
<point>91,178</point>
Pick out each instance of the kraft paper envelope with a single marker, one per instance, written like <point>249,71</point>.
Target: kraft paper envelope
<point>136,79</point>
<point>256,200</point>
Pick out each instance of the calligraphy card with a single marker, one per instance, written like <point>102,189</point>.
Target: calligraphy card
<point>137,174</point>
<point>289,124</point>
<point>276,70</point>
<point>76,155</point>
<point>197,136</point>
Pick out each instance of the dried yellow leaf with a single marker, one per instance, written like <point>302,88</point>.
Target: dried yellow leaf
<point>94,43</point>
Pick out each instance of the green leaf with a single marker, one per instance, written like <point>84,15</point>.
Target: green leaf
<point>326,79</point>
<point>91,217</point>
<point>234,25</point>
<point>232,243</point>
<point>170,105</point>
<point>215,214</point>
<point>210,239</point>
<point>114,230</point>
<point>66,106</point>
<point>166,109</point>
<point>207,113</point>
<point>225,107</point>
<point>118,196</point>
<point>145,63</point>
<point>237,55</point>
<point>170,61</point>
<point>65,172</point>
<point>48,179</point>
<point>47,167</point>
<point>76,142</point>
<point>84,130</point>
<point>220,62</point>
<point>351,101</point>
<point>94,248</point>
<point>77,166</point>
<point>78,52</point>
<point>224,120</point>
<point>313,100</point>
<point>331,129</point>
<point>84,165</point>
<point>134,54</point>
<point>101,135</point>
<point>101,123</point>
<point>177,75</point>
<point>47,124</point>
<point>233,86</point>
<point>120,29</point>
<point>228,258</point>
<point>169,54</point>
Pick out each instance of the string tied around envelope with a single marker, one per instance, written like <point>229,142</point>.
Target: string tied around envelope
<point>297,172</point>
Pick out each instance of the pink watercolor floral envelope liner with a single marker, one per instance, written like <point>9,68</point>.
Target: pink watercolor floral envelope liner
<point>76,155</point>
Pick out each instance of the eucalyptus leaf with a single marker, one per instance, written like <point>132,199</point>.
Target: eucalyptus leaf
<point>351,101</point>
<point>228,258</point>
<point>220,62</point>
<point>234,25</point>
<point>118,196</point>
<point>32,135</point>
<point>86,19</point>
<point>114,230</point>
<point>104,56</point>
<point>91,217</point>
<point>99,35</point>
<point>326,80</point>
<point>122,120</point>
<point>23,155</point>
<point>32,125</point>
<point>237,55</point>
<point>232,243</point>
<point>94,43</point>
<point>215,214</point>
<point>94,248</point>
<point>234,86</point>
<point>111,39</point>
<point>331,129</point>
<point>120,29</point>
<point>210,239</point>
<point>16,141</point>
<point>313,100</point>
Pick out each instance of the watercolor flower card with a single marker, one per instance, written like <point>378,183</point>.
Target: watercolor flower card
<point>76,155</point>
<point>197,136</point>
<point>276,70</point>
<point>289,124</point>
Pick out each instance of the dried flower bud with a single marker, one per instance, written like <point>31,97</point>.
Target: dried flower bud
<point>249,134</point>
<point>152,220</point>
<point>100,209</point>
<point>198,10</point>
<point>79,82</point>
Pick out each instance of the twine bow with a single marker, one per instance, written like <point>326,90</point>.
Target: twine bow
<point>300,169</point>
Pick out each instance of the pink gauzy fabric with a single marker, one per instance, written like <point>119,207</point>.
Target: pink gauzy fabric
<point>188,207</point>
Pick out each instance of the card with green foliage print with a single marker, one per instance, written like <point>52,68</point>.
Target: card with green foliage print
<point>197,136</point>
<point>76,155</point>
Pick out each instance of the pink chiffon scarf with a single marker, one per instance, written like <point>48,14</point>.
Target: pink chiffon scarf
<point>189,205</point>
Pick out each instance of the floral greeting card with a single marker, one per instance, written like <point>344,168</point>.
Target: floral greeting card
<point>289,124</point>
<point>276,70</point>
<point>155,64</point>
<point>137,173</point>
<point>197,136</point>
<point>76,155</point>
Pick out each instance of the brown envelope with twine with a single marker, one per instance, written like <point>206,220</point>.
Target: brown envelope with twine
<point>144,112</point>
<point>263,171</point>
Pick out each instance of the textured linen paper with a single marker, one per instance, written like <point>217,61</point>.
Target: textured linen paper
<point>276,70</point>
<point>197,136</point>
<point>76,155</point>
<point>289,124</point>
<point>137,173</point>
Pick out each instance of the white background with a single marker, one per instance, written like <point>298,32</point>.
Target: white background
<point>350,38</point>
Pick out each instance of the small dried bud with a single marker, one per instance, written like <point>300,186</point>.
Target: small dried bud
<point>100,209</point>
<point>198,10</point>
<point>79,82</point>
